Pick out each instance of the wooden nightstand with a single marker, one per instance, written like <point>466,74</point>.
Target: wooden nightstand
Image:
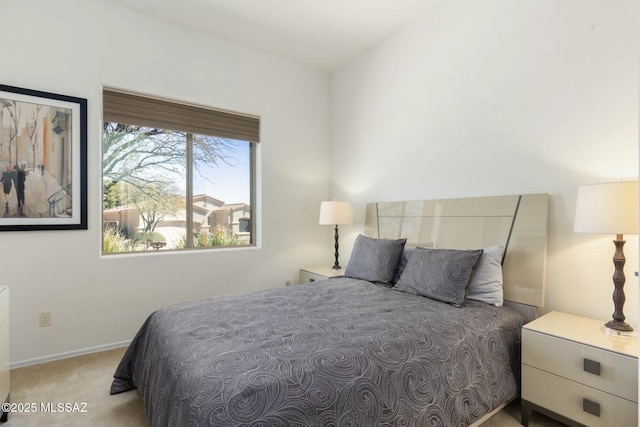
<point>574,372</point>
<point>311,274</point>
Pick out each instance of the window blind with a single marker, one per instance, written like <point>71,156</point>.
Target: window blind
<point>134,109</point>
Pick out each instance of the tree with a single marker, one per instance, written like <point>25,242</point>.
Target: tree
<point>155,202</point>
<point>114,195</point>
<point>14,116</point>
<point>141,156</point>
<point>32,133</point>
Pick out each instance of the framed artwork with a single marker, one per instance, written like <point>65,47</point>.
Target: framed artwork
<point>43,160</point>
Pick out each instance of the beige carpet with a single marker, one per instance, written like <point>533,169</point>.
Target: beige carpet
<point>75,380</point>
<point>86,379</point>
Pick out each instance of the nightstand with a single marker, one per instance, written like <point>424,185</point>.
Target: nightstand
<point>574,372</point>
<point>311,274</point>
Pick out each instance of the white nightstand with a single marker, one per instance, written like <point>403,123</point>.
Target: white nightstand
<point>574,372</point>
<point>311,274</point>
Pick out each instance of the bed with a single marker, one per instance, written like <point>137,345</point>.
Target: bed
<point>369,349</point>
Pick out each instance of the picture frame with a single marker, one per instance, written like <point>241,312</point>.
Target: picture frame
<point>43,160</point>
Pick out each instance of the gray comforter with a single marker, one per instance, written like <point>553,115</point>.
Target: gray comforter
<point>340,352</point>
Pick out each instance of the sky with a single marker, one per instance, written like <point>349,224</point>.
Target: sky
<point>230,183</point>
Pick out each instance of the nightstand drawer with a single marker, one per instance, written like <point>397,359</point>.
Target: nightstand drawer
<point>575,401</point>
<point>608,371</point>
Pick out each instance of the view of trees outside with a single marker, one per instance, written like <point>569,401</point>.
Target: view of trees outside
<point>145,189</point>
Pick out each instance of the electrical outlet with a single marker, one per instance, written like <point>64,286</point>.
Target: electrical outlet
<point>287,282</point>
<point>45,319</point>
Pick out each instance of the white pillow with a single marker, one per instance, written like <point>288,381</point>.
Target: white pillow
<point>486,282</point>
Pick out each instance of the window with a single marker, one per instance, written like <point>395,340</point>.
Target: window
<point>175,176</point>
<point>244,225</point>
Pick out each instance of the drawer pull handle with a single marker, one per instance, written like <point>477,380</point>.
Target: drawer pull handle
<point>591,407</point>
<point>591,366</point>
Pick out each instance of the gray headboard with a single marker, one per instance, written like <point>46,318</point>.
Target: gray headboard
<point>519,222</point>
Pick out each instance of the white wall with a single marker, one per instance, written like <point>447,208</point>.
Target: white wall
<point>73,47</point>
<point>501,97</point>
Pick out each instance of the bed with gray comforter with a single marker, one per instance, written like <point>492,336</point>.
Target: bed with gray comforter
<point>340,352</point>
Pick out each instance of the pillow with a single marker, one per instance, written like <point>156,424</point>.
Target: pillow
<point>404,259</point>
<point>486,281</point>
<point>375,260</point>
<point>440,274</point>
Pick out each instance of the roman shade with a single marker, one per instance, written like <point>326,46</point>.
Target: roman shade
<point>134,109</point>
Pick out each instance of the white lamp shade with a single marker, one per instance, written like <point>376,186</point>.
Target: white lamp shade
<point>610,208</point>
<point>335,213</point>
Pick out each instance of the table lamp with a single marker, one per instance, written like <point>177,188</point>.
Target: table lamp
<point>610,208</point>
<point>335,213</point>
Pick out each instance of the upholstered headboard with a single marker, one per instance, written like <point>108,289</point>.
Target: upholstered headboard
<point>519,222</point>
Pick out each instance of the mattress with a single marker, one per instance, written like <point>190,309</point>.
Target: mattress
<point>335,352</point>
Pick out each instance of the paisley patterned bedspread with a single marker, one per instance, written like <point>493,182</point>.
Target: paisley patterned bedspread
<point>340,352</point>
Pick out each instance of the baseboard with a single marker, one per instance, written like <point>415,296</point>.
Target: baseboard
<point>60,356</point>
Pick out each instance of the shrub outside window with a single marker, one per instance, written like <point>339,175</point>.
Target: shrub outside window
<point>166,189</point>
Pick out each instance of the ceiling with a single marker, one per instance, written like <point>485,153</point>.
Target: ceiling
<point>322,33</point>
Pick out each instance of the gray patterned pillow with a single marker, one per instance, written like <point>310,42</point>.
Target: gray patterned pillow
<point>440,274</point>
<point>404,259</point>
<point>374,260</point>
